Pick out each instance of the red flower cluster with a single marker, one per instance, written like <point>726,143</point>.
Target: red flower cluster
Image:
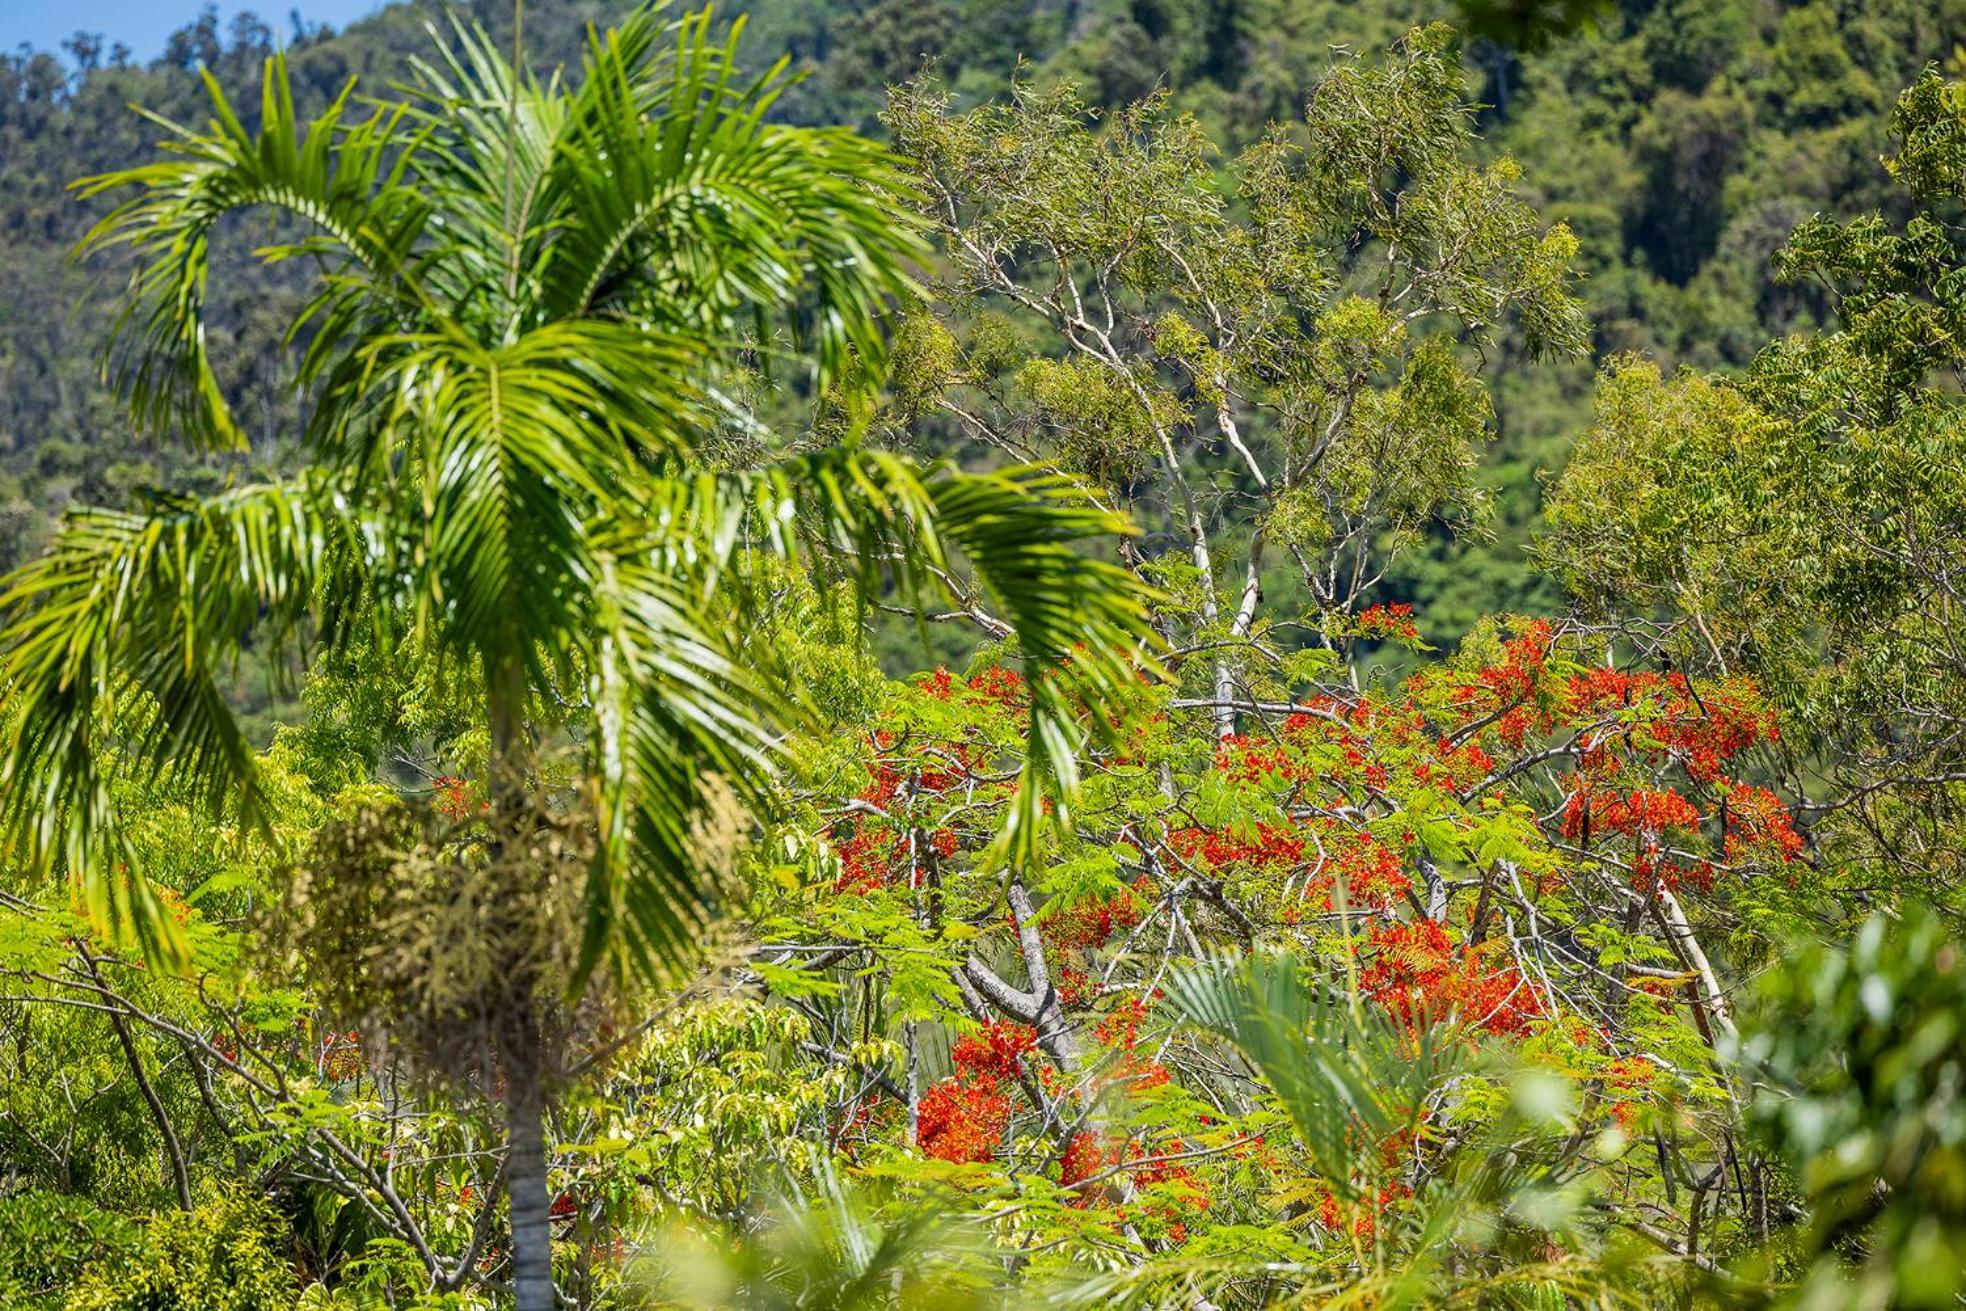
<point>935,770</point>
<point>1119,1029</point>
<point>1702,731</point>
<point>1389,621</point>
<point>1247,759</point>
<point>1628,1078</point>
<point>1364,1214</point>
<point>1085,1158</point>
<point>454,800</point>
<point>997,685</point>
<point>865,859</point>
<point>1510,686</point>
<point>1081,1159</point>
<point>1003,687</point>
<point>963,1118</point>
<point>1217,848</point>
<point>1643,813</point>
<point>994,1053</point>
<point>1091,923</point>
<point>1075,986</point>
<point>174,905</point>
<point>1458,767</point>
<point>340,1057</point>
<point>962,1122</point>
<point>1370,869</point>
<point>1416,973</point>
<point>1758,823</point>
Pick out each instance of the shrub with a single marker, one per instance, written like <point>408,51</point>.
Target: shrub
<point>225,1256</point>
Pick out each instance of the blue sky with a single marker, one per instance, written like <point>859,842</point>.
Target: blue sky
<point>143,25</point>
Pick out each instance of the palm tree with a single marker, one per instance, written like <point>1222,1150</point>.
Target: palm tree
<point>528,303</point>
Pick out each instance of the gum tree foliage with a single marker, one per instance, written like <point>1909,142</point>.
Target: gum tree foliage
<point>1266,357</point>
<point>527,299</point>
<point>1805,523</point>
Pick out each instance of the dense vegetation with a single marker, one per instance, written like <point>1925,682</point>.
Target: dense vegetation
<point>1195,655</point>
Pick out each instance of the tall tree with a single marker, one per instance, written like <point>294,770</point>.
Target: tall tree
<point>1254,354</point>
<point>532,308</point>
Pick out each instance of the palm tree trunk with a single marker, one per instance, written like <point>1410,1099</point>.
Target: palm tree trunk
<point>525,1187</point>
<point>526,1194</point>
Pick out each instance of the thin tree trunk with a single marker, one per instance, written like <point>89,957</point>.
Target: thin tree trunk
<point>173,1149</point>
<point>528,1202</point>
<point>525,1188</point>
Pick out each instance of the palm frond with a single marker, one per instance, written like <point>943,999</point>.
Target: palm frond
<point>1025,533</point>
<point>344,181</point>
<point>491,134</point>
<point>677,717</point>
<point>512,397</point>
<point>676,203</point>
<point>1349,1076</point>
<point>1421,1281</point>
<point>117,633</point>
<point>513,452</point>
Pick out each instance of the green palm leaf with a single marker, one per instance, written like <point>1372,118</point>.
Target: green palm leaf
<point>343,181</point>
<point>1349,1076</point>
<point>119,631</point>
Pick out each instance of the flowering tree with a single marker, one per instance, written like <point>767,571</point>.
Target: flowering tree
<point>1533,852</point>
<point>1520,850</point>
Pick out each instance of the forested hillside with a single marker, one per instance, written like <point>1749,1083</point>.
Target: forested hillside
<point>1681,142</point>
<point>987,654</point>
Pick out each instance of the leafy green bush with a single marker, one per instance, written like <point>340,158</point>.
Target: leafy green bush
<point>1863,1089</point>
<point>222,1257</point>
<point>47,1239</point>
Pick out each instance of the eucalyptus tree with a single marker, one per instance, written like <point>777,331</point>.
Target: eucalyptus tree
<point>531,303</point>
<point>1264,355</point>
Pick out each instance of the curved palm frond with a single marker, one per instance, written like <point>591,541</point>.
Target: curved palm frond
<point>490,142</point>
<point>512,452</point>
<point>678,718</point>
<point>343,180</point>
<point>1349,1077</point>
<point>678,204</point>
<point>118,630</point>
<point>1490,1196</point>
<point>492,138</point>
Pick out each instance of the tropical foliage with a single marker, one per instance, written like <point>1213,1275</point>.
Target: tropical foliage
<point>858,725</point>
